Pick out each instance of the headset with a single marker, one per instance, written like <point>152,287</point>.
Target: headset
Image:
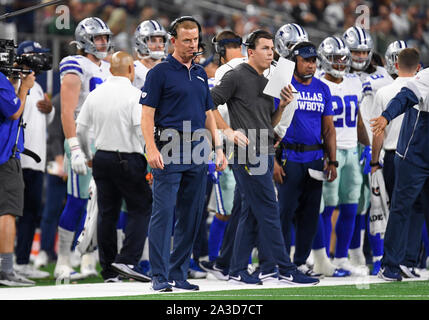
<point>251,39</point>
<point>172,31</point>
<point>219,46</point>
<point>294,52</point>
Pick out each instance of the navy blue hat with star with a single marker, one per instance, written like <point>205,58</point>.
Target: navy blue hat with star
<point>305,50</point>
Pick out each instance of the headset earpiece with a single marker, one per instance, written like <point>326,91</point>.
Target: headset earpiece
<point>172,30</point>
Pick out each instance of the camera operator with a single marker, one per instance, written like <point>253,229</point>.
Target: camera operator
<point>12,184</point>
<point>38,112</point>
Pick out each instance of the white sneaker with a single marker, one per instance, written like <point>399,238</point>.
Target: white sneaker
<point>41,260</point>
<point>310,260</point>
<point>357,258</point>
<point>344,263</point>
<point>29,271</point>
<point>87,265</point>
<point>75,258</point>
<point>63,271</point>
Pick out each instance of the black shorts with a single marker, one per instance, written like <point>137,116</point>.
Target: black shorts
<point>11,188</point>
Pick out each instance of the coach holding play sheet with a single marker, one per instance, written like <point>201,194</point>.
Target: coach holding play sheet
<point>176,97</point>
<point>113,111</point>
<point>251,110</point>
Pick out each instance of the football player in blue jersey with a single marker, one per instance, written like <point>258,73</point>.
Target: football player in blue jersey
<point>79,74</point>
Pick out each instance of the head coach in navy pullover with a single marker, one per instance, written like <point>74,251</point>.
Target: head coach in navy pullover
<point>411,167</point>
<point>176,96</point>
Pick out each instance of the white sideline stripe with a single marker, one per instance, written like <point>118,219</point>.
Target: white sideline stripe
<point>93,290</point>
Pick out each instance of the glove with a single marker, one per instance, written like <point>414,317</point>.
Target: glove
<point>365,159</point>
<point>213,175</point>
<point>78,161</point>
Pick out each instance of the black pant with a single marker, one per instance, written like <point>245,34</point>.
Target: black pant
<point>389,171</point>
<point>30,219</point>
<point>114,182</point>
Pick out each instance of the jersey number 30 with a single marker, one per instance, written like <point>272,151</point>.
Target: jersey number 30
<point>345,111</point>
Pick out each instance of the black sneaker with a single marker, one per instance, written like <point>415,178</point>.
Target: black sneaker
<point>309,272</point>
<point>386,273</point>
<point>296,277</point>
<point>130,271</point>
<point>14,279</point>
<point>183,285</point>
<point>160,284</point>
<point>210,267</point>
<point>408,272</point>
<point>243,277</point>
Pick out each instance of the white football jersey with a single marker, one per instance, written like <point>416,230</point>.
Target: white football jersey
<point>140,74</point>
<point>370,85</point>
<point>223,109</point>
<point>90,74</point>
<point>381,100</point>
<point>345,103</point>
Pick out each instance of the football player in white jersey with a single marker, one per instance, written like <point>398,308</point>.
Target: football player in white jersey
<point>150,44</point>
<point>344,191</point>
<point>286,37</point>
<point>79,75</point>
<point>391,56</point>
<point>373,77</point>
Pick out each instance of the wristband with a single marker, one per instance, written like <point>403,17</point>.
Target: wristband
<point>218,147</point>
<point>334,163</point>
<point>374,164</point>
<point>73,143</point>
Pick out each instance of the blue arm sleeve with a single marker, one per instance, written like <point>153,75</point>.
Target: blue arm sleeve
<point>276,103</point>
<point>404,100</point>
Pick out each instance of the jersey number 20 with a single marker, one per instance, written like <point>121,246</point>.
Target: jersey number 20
<point>345,111</point>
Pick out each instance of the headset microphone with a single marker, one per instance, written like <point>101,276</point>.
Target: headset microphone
<point>198,53</point>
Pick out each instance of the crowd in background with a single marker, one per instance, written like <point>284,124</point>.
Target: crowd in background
<point>389,19</point>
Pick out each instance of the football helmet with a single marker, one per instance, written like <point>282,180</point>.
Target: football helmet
<point>142,35</point>
<point>392,53</point>
<point>358,39</point>
<point>333,51</point>
<point>287,36</point>
<point>85,32</point>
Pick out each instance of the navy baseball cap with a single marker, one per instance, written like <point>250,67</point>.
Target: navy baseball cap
<point>306,52</point>
<point>30,47</point>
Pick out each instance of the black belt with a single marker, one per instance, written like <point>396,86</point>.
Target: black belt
<point>29,153</point>
<point>302,147</point>
<point>389,151</point>
<point>185,136</point>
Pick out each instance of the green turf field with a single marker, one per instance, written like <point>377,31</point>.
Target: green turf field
<point>405,290</point>
<point>386,291</point>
